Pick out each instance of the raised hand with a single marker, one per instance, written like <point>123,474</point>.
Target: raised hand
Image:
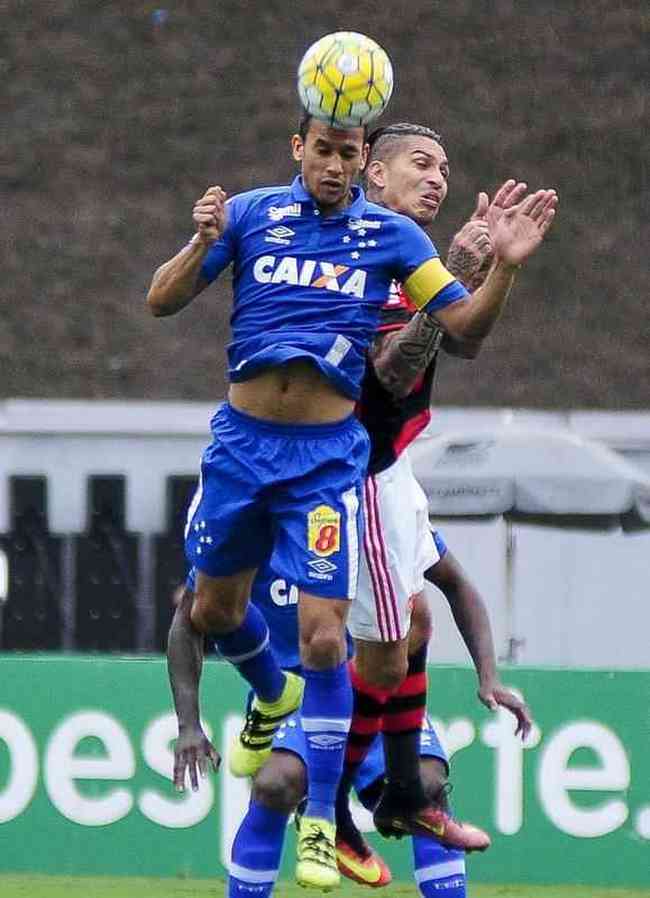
<point>210,215</point>
<point>494,694</point>
<point>471,245</point>
<point>471,250</point>
<point>517,231</point>
<point>508,195</point>
<point>193,754</point>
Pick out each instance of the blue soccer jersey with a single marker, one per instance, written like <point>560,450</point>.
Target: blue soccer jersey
<point>311,286</point>
<point>277,599</point>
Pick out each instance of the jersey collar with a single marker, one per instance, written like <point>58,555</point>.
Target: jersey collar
<point>355,210</point>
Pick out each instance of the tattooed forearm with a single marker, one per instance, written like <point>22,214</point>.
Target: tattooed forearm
<point>479,276</point>
<point>400,358</point>
<point>463,263</point>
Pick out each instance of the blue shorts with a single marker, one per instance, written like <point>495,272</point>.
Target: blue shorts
<point>290,737</point>
<point>283,493</point>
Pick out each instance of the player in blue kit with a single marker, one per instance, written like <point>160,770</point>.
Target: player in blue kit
<point>288,458</point>
<point>281,783</point>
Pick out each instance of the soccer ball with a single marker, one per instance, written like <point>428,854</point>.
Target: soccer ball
<point>345,79</point>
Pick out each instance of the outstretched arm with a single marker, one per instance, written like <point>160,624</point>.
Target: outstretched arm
<point>473,622</point>
<point>399,358</point>
<point>471,252</point>
<point>178,281</point>
<point>515,236</point>
<point>193,751</point>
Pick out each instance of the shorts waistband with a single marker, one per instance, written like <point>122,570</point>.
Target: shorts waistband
<point>287,430</point>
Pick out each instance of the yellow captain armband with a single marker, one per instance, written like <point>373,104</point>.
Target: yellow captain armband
<point>426,282</point>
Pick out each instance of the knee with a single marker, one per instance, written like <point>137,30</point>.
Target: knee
<point>281,787</point>
<point>322,631</point>
<point>391,676</point>
<point>387,673</point>
<point>323,648</point>
<point>211,615</point>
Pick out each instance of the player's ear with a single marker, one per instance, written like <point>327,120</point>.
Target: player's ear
<point>376,174</point>
<point>297,147</point>
<point>364,155</point>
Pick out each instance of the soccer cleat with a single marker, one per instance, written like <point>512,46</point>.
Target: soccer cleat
<point>251,748</point>
<point>393,820</point>
<point>354,856</point>
<point>316,867</point>
<point>359,862</point>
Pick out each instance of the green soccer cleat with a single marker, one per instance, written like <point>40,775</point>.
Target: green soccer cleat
<point>251,748</point>
<point>316,867</point>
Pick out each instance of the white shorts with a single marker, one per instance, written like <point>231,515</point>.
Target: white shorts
<point>397,549</point>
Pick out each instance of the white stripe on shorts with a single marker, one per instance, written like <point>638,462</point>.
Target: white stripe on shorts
<point>351,504</point>
<point>194,504</point>
<point>375,584</point>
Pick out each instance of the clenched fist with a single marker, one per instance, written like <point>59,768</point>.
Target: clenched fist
<point>210,215</point>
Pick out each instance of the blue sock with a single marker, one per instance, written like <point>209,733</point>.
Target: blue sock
<point>439,871</point>
<point>326,713</point>
<point>256,852</point>
<point>249,650</point>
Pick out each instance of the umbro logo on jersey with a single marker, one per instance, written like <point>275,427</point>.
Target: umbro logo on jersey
<point>277,213</point>
<point>281,234</point>
<point>309,273</point>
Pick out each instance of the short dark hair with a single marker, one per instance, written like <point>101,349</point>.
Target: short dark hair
<point>305,121</point>
<point>383,142</point>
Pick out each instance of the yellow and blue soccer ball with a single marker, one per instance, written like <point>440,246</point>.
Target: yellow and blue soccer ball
<point>345,79</point>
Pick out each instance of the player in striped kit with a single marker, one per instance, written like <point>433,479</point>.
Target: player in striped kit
<point>407,170</point>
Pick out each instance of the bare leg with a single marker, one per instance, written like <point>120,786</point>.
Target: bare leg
<point>220,602</point>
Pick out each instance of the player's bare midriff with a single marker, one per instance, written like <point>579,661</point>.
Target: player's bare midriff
<point>295,393</point>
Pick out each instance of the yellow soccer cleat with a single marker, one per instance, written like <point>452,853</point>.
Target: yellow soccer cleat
<point>251,748</point>
<point>316,867</point>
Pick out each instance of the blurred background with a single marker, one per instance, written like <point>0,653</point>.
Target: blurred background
<point>116,118</point>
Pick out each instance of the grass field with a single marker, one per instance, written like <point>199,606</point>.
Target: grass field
<point>83,887</point>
